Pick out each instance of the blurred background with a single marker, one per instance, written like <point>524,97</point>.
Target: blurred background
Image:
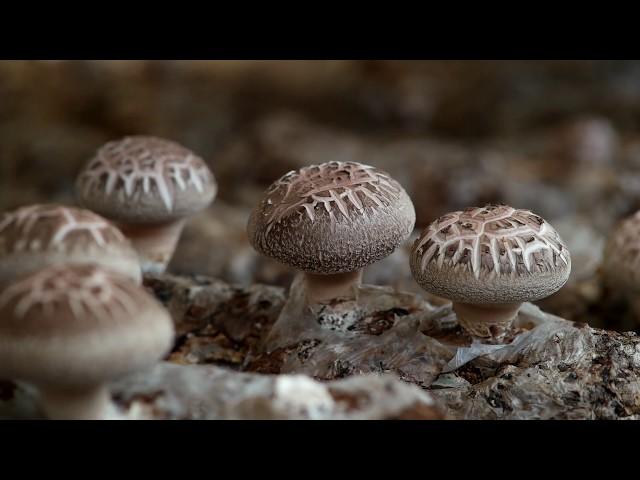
<point>556,137</point>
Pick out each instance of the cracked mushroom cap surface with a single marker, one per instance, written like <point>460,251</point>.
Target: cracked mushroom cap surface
<point>491,254</point>
<point>143,179</point>
<point>79,325</point>
<point>36,236</point>
<point>335,217</point>
<point>621,258</point>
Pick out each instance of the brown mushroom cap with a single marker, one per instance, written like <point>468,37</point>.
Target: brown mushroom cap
<point>621,258</point>
<point>143,179</point>
<point>493,254</point>
<point>331,218</point>
<point>79,325</point>
<point>37,236</point>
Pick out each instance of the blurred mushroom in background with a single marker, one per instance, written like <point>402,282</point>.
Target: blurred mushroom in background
<point>37,236</point>
<point>149,186</point>
<point>71,329</point>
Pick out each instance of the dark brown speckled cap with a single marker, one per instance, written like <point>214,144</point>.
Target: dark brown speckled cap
<point>331,218</point>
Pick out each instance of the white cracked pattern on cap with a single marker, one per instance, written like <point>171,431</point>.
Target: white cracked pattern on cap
<point>54,227</point>
<point>75,325</point>
<point>85,290</point>
<point>331,218</point>
<point>495,252</point>
<point>337,187</point>
<point>36,236</point>
<point>139,169</point>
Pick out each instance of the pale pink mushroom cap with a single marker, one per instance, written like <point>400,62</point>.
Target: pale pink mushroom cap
<point>36,236</point>
<point>72,326</point>
<point>142,179</point>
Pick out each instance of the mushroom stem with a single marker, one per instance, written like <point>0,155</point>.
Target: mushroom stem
<point>91,403</point>
<point>155,243</point>
<point>486,320</point>
<point>324,288</point>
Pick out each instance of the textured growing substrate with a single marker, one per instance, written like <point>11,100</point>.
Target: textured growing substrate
<point>552,368</point>
<point>212,393</point>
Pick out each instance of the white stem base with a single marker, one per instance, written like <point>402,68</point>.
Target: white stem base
<point>296,320</point>
<point>155,243</point>
<point>92,403</point>
<point>324,288</point>
<point>491,321</point>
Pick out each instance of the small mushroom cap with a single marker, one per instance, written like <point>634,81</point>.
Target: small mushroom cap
<point>621,258</point>
<point>143,179</point>
<point>331,218</point>
<point>79,325</point>
<point>37,236</point>
<point>493,254</point>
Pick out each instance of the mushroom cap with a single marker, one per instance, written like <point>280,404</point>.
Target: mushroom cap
<point>621,257</point>
<point>142,179</point>
<point>492,254</point>
<point>36,236</point>
<point>72,326</point>
<point>335,217</point>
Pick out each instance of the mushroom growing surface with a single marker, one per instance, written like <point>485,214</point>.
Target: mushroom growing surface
<point>149,186</point>
<point>36,236</point>
<point>71,329</point>
<point>330,221</point>
<point>488,261</point>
